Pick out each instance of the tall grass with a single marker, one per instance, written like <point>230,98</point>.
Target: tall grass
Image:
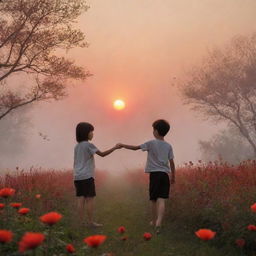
<point>214,196</point>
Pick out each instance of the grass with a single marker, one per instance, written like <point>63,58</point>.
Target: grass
<point>198,200</point>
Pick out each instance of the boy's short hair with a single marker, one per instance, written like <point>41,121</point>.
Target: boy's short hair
<point>82,131</point>
<point>162,127</point>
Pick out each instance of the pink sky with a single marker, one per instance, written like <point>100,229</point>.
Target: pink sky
<point>136,49</point>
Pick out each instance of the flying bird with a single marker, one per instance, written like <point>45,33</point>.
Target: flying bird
<point>44,137</point>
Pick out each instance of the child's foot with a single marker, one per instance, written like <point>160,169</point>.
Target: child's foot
<point>151,223</point>
<point>158,230</point>
<point>95,225</point>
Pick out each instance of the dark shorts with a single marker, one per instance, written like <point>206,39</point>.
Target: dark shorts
<point>159,185</point>
<point>85,187</point>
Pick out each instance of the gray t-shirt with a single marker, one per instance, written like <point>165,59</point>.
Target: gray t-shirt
<point>84,160</point>
<point>159,154</point>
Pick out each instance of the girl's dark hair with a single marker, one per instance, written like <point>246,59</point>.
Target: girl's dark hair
<point>82,131</point>
<point>162,126</point>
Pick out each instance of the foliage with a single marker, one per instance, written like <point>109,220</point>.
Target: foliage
<point>32,35</point>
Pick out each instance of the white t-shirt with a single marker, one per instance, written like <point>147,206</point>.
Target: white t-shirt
<point>84,164</point>
<point>159,154</point>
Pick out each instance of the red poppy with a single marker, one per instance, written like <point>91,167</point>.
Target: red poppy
<point>251,227</point>
<point>205,234</point>
<point>16,205</point>
<point>5,236</point>
<point>2,206</point>
<point>95,241</point>
<point>240,242</point>
<point>30,240</point>
<point>253,207</point>
<point>37,196</point>
<point>51,218</point>
<point>147,236</point>
<point>7,192</point>
<point>70,248</point>
<point>121,230</point>
<point>124,238</point>
<point>23,211</point>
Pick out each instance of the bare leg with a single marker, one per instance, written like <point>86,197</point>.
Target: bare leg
<point>154,212</point>
<point>90,208</point>
<point>81,208</point>
<point>160,211</point>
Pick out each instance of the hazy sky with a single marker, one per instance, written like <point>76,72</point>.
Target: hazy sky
<point>137,49</point>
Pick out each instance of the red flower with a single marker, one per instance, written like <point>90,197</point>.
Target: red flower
<point>23,211</point>
<point>253,207</point>
<point>6,192</point>
<point>51,218</point>
<point>205,234</point>
<point>147,236</point>
<point>16,205</point>
<point>240,242</point>
<point>121,230</point>
<point>30,240</point>
<point>251,227</point>
<point>2,206</point>
<point>124,238</point>
<point>5,236</point>
<point>70,248</point>
<point>37,196</point>
<point>95,241</point>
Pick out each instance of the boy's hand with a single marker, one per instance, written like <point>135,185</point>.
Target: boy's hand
<point>118,145</point>
<point>172,179</point>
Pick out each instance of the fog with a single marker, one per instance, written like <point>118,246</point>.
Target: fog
<point>139,51</point>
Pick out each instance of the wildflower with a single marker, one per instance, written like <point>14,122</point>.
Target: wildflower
<point>38,196</point>
<point>2,206</point>
<point>7,192</point>
<point>30,240</point>
<point>253,207</point>
<point>5,236</point>
<point>16,205</point>
<point>205,234</point>
<point>23,211</point>
<point>121,230</point>
<point>51,218</point>
<point>70,248</point>
<point>124,238</point>
<point>147,236</point>
<point>95,241</point>
<point>240,242</point>
<point>251,227</point>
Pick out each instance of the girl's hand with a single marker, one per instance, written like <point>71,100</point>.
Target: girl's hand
<point>118,145</point>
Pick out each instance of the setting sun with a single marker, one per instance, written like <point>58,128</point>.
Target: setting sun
<point>119,104</point>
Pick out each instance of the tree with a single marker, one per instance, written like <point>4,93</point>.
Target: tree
<point>223,87</point>
<point>227,145</point>
<point>32,35</point>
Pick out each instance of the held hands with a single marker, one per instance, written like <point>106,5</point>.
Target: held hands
<point>118,145</point>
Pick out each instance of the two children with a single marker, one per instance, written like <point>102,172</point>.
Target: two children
<point>159,163</point>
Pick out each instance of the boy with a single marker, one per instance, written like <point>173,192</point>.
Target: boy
<point>159,162</point>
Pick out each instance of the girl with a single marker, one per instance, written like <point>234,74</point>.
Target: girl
<point>84,167</point>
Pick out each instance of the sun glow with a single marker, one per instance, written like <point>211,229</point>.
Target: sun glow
<point>119,104</point>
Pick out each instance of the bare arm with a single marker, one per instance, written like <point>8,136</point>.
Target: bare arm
<point>107,152</point>
<point>172,165</point>
<point>129,146</point>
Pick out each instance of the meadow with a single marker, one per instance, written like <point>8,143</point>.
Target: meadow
<point>213,196</point>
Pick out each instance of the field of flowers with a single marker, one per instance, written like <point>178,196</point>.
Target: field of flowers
<point>211,211</point>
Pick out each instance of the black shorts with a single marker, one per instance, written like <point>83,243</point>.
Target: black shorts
<point>159,185</point>
<point>85,187</point>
